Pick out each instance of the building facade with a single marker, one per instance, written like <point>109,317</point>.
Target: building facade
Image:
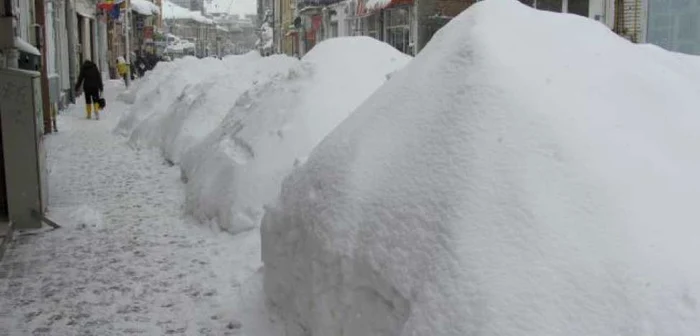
<point>408,25</point>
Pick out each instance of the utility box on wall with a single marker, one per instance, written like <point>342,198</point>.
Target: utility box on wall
<point>23,149</point>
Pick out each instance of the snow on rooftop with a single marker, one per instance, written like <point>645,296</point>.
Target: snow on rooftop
<point>537,178</point>
<point>174,12</point>
<point>144,7</point>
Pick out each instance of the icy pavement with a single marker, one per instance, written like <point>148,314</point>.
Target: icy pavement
<point>126,260</point>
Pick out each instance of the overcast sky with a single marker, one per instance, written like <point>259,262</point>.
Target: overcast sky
<point>236,6</point>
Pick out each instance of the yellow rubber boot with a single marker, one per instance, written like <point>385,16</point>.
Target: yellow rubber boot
<point>88,111</point>
<point>96,108</point>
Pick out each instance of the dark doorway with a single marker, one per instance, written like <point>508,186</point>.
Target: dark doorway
<point>80,39</point>
<point>93,57</point>
<point>4,210</point>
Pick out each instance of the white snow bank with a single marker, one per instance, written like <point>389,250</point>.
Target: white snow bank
<point>239,167</point>
<point>201,107</point>
<point>144,7</point>
<point>82,217</point>
<point>168,84</point>
<point>512,180</point>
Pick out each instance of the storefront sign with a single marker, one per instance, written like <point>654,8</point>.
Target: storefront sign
<point>148,32</point>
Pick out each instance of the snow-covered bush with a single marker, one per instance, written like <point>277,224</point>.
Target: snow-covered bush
<point>529,173</point>
<point>273,126</point>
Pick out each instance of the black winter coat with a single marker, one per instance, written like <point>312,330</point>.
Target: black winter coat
<point>90,77</point>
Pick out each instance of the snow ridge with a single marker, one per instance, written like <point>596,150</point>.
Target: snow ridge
<point>506,182</point>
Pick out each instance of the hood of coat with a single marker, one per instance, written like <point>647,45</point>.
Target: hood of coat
<point>89,65</point>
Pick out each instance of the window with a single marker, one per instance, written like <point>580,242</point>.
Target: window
<point>549,5</point>
<point>398,28</point>
<point>579,7</point>
<point>373,26</point>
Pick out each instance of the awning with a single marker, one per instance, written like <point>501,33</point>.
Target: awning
<point>25,46</point>
<point>109,4</point>
<point>375,5</point>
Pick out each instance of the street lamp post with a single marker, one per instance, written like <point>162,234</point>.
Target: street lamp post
<point>127,24</point>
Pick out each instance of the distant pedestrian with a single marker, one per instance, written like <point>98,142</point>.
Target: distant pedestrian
<point>122,69</point>
<point>91,80</point>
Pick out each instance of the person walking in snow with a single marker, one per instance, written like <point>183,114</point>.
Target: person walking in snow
<point>91,80</point>
<point>122,68</point>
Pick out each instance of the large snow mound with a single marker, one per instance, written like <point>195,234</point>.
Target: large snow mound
<point>202,103</point>
<point>531,178</point>
<point>273,126</point>
<point>168,84</point>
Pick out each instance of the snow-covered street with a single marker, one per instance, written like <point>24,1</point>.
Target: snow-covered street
<point>125,262</point>
<point>510,182</point>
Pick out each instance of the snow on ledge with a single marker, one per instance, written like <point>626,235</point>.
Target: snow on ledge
<point>144,7</point>
<point>26,47</point>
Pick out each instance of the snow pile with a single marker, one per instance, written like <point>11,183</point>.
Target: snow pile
<point>266,35</point>
<point>202,106</point>
<point>85,217</point>
<point>239,167</point>
<point>144,7</point>
<point>168,84</point>
<point>507,182</point>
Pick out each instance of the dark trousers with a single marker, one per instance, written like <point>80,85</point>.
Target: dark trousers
<point>91,96</point>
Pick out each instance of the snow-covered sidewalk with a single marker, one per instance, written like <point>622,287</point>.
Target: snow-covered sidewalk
<point>126,261</point>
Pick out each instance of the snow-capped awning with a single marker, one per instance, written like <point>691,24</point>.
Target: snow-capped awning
<point>316,3</point>
<point>26,47</point>
<point>374,5</point>
<point>144,7</point>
